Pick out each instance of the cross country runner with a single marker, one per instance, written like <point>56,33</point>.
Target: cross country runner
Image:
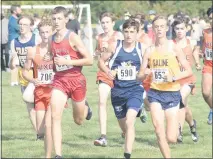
<point>109,37</point>
<point>164,94</point>
<point>191,53</point>
<point>69,55</point>
<point>19,50</point>
<point>43,75</point>
<point>127,93</point>
<point>207,68</point>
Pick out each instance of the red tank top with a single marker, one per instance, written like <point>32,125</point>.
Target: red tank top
<point>207,47</point>
<point>189,57</point>
<point>64,49</point>
<point>43,70</point>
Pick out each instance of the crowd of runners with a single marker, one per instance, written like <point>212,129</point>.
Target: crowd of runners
<point>141,72</point>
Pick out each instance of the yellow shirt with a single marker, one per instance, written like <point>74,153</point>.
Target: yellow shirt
<point>163,63</point>
<point>22,81</point>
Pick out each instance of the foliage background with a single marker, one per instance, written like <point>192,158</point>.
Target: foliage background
<point>192,8</point>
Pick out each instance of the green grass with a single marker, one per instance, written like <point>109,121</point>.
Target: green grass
<point>18,137</point>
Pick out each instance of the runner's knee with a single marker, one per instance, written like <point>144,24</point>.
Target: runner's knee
<point>79,121</point>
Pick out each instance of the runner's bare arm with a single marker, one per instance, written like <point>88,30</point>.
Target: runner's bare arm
<point>28,64</point>
<point>143,69</point>
<point>14,57</point>
<point>184,63</point>
<point>196,57</point>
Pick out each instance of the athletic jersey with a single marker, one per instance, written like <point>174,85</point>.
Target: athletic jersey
<point>207,47</point>
<point>163,63</point>
<point>21,50</point>
<point>188,52</point>
<point>65,50</point>
<point>43,70</point>
<point>127,65</point>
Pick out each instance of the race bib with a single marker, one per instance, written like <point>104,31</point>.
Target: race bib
<point>45,76</point>
<point>208,54</point>
<point>22,60</point>
<point>64,67</point>
<point>158,74</point>
<point>126,73</point>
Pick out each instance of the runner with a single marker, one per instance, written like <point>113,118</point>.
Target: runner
<point>69,55</point>
<point>164,94</point>
<point>19,50</point>
<point>207,69</point>
<point>43,75</point>
<point>109,37</point>
<point>127,93</point>
<point>191,53</point>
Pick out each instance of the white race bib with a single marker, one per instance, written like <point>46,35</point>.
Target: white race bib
<point>22,60</point>
<point>45,76</point>
<point>126,73</point>
<point>208,54</point>
<point>158,74</point>
<point>64,67</point>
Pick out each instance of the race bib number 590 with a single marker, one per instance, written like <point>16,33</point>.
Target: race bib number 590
<point>127,73</point>
<point>63,67</point>
<point>158,74</point>
<point>208,54</point>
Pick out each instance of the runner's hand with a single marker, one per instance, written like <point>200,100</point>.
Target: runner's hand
<point>60,61</point>
<point>36,82</point>
<point>198,67</point>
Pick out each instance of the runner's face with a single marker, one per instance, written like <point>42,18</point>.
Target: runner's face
<point>45,32</point>
<point>130,35</point>
<point>24,24</point>
<point>180,30</point>
<point>59,21</point>
<point>107,24</point>
<point>160,28</point>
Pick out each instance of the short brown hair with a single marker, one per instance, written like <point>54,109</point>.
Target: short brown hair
<point>60,9</point>
<point>160,17</point>
<point>27,17</point>
<point>131,23</point>
<point>44,22</point>
<point>107,14</point>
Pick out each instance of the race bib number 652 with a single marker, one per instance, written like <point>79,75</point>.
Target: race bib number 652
<point>63,67</point>
<point>158,74</point>
<point>127,73</point>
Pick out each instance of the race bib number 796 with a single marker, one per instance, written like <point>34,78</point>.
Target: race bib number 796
<point>45,76</point>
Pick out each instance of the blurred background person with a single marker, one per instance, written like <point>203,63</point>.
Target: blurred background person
<point>119,23</point>
<point>13,32</point>
<point>4,42</point>
<point>37,20</point>
<point>85,35</point>
<point>73,24</point>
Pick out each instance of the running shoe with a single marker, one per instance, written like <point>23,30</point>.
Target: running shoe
<point>210,118</point>
<point>194,131</point>
<point>102,141</point>
<point>143,116</point>
<point>89,115</point>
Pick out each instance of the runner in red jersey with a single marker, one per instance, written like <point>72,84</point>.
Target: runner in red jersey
<point>207,69</point>
<point>43,74</point>
<point>69,55</point>
<point>105,41</point>
<point>191,53</point>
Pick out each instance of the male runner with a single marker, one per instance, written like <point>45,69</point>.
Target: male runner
<point>69,55</point>
<point>191,53</point>
<point>43,75</point>
<point>109,37</point>
<point>19,49</point>
<point>164,94</point>
<point>127,93</point>
<point>207,68</point>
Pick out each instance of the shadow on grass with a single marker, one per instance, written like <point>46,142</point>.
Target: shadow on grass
<point>147,141</point>
<point>7,138</point>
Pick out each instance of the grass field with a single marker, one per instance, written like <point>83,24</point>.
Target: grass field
<point>18,137</point>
